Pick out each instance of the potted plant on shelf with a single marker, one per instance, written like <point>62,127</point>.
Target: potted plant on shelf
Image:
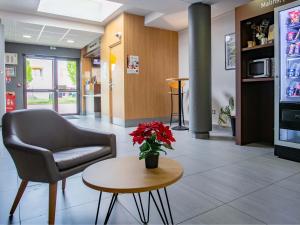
<point>260,31</point>
<point>226,113</point>
<point>153,138</point>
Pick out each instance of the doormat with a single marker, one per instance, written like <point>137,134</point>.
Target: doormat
<point>71,117</point>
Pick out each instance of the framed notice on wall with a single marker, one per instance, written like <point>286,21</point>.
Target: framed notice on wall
<point>230,51</point>
<point>133,65</point>
<point>10,71</point>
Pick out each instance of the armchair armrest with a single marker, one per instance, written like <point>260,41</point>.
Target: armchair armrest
<point>86,137</point>
<point>33,163</point>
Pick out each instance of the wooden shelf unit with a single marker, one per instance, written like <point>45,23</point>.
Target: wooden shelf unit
<point>258,47</point>
<point>254,96</point>
<point>261,79</point>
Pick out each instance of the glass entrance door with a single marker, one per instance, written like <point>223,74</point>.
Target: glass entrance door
<point>40,91</point>
<point>51,84</point>
<point>67,94</point>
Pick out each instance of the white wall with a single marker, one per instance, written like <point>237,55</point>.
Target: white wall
<point>183,53</point>
<point>223,81</point>
<point>2,77</point>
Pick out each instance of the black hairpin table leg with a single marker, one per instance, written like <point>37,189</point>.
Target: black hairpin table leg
<point>98,208</point>
<point>163,215</point>
<point>140,208</point>
<point>110,208</point>
<point>170,212</point>
<point>161,209</point>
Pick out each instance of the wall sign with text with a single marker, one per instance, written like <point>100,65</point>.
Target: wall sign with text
<point>11,58</point>
<point>268,3</point>
<point>133,64</point>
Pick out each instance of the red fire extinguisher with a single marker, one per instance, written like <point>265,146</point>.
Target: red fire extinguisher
<point>10,101</point>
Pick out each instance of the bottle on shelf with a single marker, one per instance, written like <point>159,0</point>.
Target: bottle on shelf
<point>293,90</point>
<point>297,70</point>
<point>291,70</point>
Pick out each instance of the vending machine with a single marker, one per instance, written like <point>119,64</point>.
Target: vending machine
<point>287,81</point>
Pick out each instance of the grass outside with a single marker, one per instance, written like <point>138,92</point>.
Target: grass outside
<point>47,101</point>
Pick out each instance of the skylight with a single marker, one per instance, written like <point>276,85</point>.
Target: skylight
<point>93,10</point>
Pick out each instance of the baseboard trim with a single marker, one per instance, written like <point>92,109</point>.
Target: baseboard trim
<point>135,122</point>
<point>218,127</point>
<point>98,114</point>
<point>118,121</point>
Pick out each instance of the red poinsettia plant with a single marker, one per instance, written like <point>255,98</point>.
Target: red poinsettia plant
<point>152,137</point>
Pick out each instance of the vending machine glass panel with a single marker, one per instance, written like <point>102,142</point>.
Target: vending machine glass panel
<point>290,55</point>
<point>289,49</point>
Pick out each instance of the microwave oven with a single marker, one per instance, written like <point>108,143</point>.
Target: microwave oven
<point>260,67</point>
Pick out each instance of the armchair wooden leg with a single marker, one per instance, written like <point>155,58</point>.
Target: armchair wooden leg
<point>63,185</point>
<point>18,196</point>
<point>52,202</point>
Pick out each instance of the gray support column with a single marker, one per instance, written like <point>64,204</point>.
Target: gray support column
<point>200,70</point>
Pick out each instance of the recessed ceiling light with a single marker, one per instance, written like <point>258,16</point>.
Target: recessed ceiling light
<point>27,36</point>
<point>70,41</point>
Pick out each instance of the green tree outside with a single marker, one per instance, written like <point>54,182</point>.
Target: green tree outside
<point>29,77</point>
<point>72,70</point>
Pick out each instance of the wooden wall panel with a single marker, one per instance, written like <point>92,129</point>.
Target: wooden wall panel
<point>146,94</point>
<point>107,40</point>
<point>86,68</point>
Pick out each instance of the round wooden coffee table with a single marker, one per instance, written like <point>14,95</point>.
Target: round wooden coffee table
<point>129,175</point>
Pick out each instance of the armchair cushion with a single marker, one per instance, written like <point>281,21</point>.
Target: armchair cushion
<point>69,158</point>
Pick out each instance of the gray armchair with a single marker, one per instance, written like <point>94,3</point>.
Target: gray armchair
<point>47,148</point>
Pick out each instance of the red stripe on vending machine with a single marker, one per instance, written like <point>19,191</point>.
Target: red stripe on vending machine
<point>10,101</point>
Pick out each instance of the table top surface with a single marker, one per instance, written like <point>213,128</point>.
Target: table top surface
<point>129,175</point>
<point>177,78</point>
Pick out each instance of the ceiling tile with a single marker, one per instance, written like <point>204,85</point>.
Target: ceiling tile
<point>56,30</point>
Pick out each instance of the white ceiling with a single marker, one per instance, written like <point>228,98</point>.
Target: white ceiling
<point>47,35</point>
<point>21,17</point>
<point>178,20</point>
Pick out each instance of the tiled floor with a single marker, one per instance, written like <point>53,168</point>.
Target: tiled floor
<point>223,184</point>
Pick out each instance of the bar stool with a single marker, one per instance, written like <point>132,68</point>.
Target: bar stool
<point>173,85</point>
